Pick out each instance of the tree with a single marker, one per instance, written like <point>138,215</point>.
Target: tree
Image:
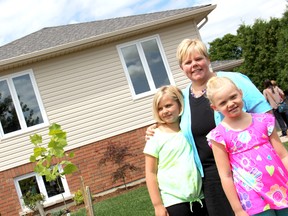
<point>33,199</point>
<point>117,154</point>
<point>226,48</point>
<point>281,62</point>
<point>264,48</point>
<point>259,44</point>
<point>44,156</point>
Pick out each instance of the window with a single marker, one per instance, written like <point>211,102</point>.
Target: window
<point>37,184</point>
<point>145,66</point>
<point>20,104</point>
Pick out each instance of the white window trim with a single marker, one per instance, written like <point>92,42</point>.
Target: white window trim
<point>145,65</point>
<point>48,201</point>
<point>11,87</point>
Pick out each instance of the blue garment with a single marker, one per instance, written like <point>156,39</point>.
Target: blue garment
<point>254,102</point>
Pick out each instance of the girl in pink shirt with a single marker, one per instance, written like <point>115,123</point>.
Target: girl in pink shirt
<point>251,160</point>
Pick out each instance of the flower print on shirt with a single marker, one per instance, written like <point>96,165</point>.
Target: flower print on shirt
<point>245,201</point>
<point>246,161</point>
<point>278,195</point>
<point>250,180</point>
<point>260,178</point>
<point>244,137</point>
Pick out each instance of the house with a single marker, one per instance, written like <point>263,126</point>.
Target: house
<point>226,65</point>
<point>96,80</point>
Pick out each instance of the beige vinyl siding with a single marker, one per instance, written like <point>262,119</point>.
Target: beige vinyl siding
<point>15,151</point>
<point>170,39</point>
<point>88,95</point>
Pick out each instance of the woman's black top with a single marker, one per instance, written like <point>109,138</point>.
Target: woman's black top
<point>202,118</point>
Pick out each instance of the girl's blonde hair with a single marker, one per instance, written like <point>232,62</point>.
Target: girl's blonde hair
<point>216,84</point>
<point>189,46</point>
<point>173,92</point>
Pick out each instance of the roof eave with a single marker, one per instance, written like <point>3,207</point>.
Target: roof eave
<point>228,66</point>
<point>197,15</point>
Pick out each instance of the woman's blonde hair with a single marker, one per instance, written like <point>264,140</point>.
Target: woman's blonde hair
<point>173,92</point>
<point>216,84</point>
<point>188,46</point>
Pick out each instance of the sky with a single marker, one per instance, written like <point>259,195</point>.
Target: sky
<point>19,18</point>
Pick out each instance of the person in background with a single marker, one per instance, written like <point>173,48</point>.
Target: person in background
<point>198,118</point>
<point>278,90</point>
<point>273,96</point>
<point>172,178</point>
<point>251,160</point>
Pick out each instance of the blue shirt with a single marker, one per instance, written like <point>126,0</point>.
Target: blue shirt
<point>254,102</point>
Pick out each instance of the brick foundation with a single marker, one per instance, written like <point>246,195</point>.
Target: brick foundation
<point>98,178</point>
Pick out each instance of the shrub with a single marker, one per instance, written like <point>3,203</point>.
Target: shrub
<point>78,197</point>
<point>116,153</point>
<point>30,199</point>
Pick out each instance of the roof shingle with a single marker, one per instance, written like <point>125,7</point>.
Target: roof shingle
<point>55,36</point>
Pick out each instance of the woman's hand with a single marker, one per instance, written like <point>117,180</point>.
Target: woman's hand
<point>150,131</point>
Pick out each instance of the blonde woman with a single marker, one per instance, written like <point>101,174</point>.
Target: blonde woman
<point>198,118</point>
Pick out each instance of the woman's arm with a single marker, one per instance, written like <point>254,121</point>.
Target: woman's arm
<point>152,185</point>
<point>225,173</point>
<point>280,92</point>
<point>265,96</point>
<point>279,148</point>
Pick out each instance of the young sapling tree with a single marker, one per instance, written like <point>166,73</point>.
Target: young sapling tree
<point>45,157</point>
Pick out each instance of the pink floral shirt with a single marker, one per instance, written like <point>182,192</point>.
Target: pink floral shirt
<point>260,177</point>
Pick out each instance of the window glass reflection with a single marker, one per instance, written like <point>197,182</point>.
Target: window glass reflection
<point>135,69</point>
<point>52,187</point>
<point>8,117</point>
<point>29,185</point>
<point>28,101</point>
<point>155,62</point>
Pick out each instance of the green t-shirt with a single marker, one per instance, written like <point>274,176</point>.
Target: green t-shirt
<point>178,178</point>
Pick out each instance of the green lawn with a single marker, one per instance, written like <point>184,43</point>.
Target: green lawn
<point>134,202</point>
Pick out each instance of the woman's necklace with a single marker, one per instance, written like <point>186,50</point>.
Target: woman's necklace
<point>203,91</point>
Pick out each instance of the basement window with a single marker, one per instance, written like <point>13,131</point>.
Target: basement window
<point>35,183</point>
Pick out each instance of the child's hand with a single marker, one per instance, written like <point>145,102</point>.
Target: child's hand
<point>150,131</point>
<point>161,211</point>
<point>241,213</point>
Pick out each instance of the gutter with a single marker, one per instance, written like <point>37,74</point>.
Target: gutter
<point>203,23</point>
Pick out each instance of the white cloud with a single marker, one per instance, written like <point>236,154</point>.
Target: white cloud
<point>19,18</point>
<point>229,15</point>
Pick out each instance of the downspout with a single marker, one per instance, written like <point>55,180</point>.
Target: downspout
<point>202,24</point>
